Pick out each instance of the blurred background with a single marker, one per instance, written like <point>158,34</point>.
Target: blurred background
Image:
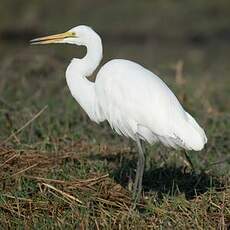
<point>184,42</point>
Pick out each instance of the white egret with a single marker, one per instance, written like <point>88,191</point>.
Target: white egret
<point>135,102</point>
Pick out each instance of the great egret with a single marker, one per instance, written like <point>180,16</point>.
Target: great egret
<point>135,102</point>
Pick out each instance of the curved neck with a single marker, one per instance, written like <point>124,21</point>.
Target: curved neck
<point>81,88</point>
<point>93,56</point>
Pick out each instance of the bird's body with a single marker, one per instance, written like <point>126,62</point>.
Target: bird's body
<point>134,101</point>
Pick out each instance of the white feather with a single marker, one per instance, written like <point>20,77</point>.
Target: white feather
<point>131,98</point>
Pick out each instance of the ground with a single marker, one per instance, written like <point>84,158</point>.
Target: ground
<point>59,169</point>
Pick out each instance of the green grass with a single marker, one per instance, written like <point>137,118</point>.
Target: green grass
<point>62,148</point>
<point>61,170</point>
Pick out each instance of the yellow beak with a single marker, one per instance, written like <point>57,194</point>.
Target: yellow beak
<point>53,38</point>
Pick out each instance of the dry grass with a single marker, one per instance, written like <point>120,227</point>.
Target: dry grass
<point>31,196</point>
<point>53,178</point>
<point>60,170</point>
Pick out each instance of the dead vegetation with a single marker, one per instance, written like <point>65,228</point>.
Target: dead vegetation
<point>32,191</point>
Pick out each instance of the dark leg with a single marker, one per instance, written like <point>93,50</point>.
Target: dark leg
<point>140,170</point>
<point>189,160</point>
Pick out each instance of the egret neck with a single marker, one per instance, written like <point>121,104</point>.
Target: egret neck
<point>81,88</point>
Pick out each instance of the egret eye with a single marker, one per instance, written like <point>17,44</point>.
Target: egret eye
<point>73,34</point>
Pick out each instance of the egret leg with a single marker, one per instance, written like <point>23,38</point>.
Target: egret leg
<point>189,160</point>
<point>139,172</point>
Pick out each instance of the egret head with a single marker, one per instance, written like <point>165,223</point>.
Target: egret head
<point>79,35</point>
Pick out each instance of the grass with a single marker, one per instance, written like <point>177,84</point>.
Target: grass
<point>72,189</point>
<point>60,170</point>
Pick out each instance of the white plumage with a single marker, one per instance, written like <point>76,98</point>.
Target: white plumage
<point>134,101</point>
